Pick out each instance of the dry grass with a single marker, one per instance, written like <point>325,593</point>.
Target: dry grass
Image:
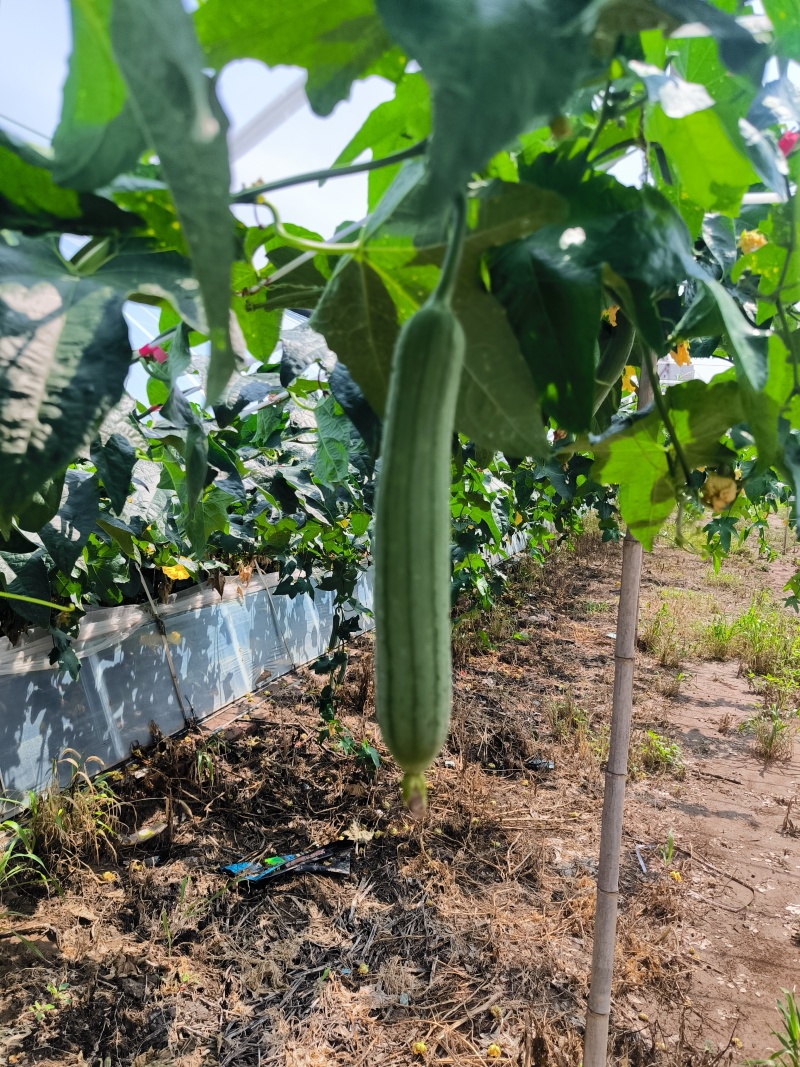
<point>79,820</point>
<point>772,734</point>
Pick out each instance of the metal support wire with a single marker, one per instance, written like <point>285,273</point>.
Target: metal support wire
<point>167,653</point>
<point>274,613</point>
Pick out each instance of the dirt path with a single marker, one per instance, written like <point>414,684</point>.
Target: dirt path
<point>730,819</point>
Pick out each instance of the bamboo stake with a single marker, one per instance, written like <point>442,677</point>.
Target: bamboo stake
<point>605,923</point>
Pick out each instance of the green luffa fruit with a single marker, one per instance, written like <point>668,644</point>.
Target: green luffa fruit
<point>413,681</point>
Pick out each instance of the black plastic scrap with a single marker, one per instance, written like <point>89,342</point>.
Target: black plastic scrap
<point>327,859</point>
<point>540,765</point>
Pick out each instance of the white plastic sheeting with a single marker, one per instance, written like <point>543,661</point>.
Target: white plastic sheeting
<point>222,648</point>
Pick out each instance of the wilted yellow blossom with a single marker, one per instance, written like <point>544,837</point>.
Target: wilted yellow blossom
<point>560,127</point>
<point>719,491</point>
<point>751,241</point>
<point>681,354</point>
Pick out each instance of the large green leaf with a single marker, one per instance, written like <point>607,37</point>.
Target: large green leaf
<point>32,202</point>
<point>494,70</point>
<point>638,459</point>
<point>785,18</point>
<point>260,326</point>
<point>28,576</point>
<point>763,407</point>
<point>333,443</point>
<point>388,128</point>
<point>98,136</point>
<point>368,298</point>
<point>358,319</point>
<point>336,43</point>
<point>65,353</point>
<point>68,531</point>
<point>152,277</point>
<point>631,239</point>
<point>555,315</point>
<point>713,171</point>
<point>43,504</point>
<point>161,61</point>
<point>114,461</point>
<point>498,406</point>
<point>738,49</point>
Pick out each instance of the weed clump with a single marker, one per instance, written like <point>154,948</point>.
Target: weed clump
<point>773,735</point>
<point>652,753</point>
<point>80,819</point>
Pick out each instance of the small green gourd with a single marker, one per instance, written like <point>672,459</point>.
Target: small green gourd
<point>412,531</point>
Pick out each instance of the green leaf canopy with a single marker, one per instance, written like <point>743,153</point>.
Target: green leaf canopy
<point>336,43</point>
<point>494,70</point>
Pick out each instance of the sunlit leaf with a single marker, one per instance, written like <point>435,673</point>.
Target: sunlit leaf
<point>114,461</point>
<point>335,43</point>
<point>158,54</point>
<point>484,91</point>
<point>98,136</point>
<point>68,531</point>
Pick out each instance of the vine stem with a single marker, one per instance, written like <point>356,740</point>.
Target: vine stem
<point>43,603</point>
<point>452,257</point>
<point>250,196</point>
<point>658,398</point>
<point>601,121</point>
<point>303,243</point>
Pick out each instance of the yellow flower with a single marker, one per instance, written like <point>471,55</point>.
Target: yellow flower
<point>681,354</point>
<point>628,375</point>
<point>176,573</point>
<point>751,241</point>
<point>736,1042</point>
<point>610,313</point>
<point>675,876</point>
<point>493,1051</point>
<point>419,1048</point>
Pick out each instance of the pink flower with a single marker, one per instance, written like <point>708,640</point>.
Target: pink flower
<point>154,352</point>
<point>788,141</point>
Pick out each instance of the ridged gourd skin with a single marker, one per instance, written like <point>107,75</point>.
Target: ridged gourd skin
<point>413,680</point>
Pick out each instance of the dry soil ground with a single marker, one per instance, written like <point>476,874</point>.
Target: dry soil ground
<point>472,930</point>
